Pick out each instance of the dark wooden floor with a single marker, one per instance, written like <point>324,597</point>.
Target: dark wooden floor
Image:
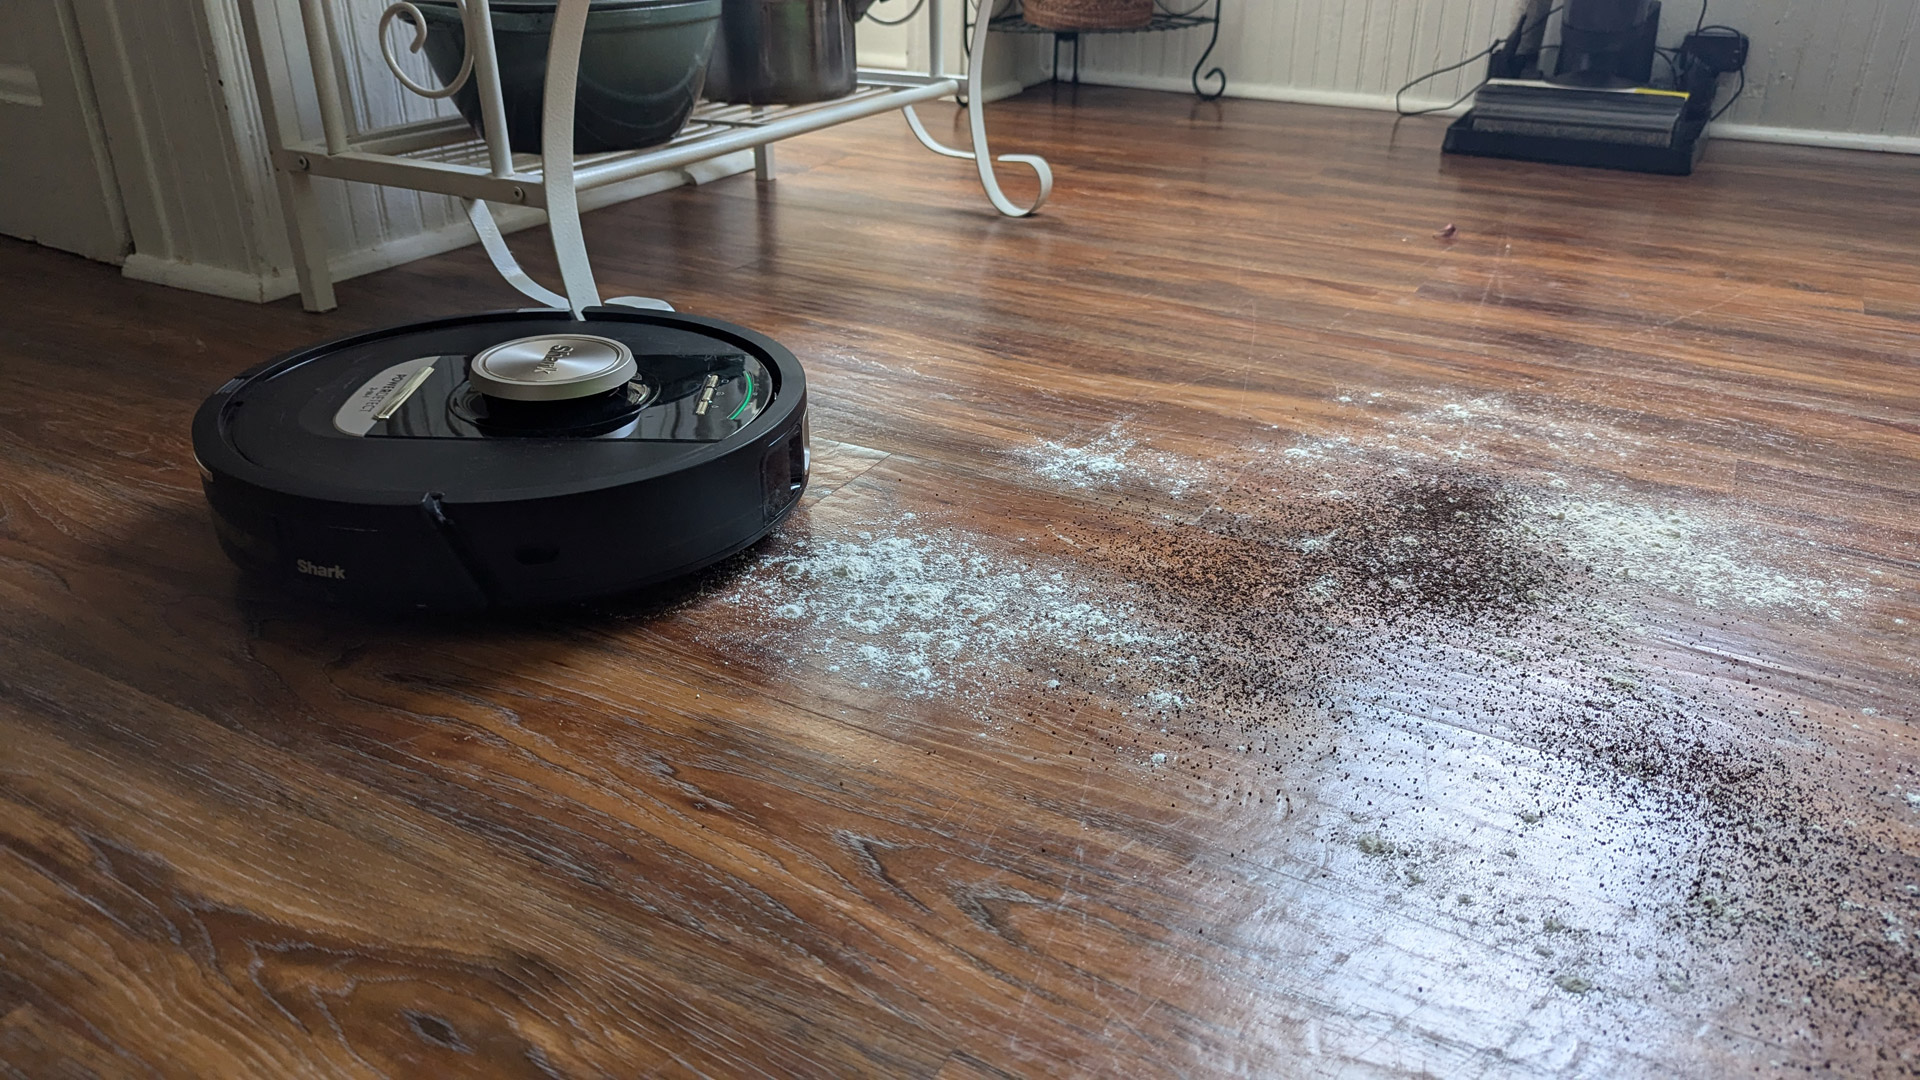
<point>1233,630</point>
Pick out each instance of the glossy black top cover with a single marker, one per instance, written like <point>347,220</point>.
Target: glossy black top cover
<point>382,416</point>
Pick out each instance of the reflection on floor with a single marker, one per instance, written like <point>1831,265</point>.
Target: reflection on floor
<point>1232,630</point>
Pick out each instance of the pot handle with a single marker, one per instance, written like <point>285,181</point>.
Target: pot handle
<point>420,38</point>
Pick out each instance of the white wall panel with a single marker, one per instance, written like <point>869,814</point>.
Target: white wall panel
<point>357,217</point>
<point>164,116</point>
<point>178,103</point>
<point>1824,68</point>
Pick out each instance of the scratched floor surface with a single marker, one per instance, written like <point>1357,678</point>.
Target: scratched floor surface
<point>1233,629</point>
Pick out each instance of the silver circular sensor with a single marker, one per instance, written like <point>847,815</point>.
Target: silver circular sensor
<point>552,367</point>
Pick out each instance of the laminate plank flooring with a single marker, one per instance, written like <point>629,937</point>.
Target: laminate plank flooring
<point>1232,630</point>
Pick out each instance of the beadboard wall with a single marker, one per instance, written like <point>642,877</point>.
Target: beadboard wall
<point>1826,72</point>
<point>177,100</point>
<point>164,111</point>
<point>178,103</point>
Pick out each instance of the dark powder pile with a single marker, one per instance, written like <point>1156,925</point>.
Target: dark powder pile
<point>1425,604</point>
<point>1271,594</point>
<point>1414,599</point>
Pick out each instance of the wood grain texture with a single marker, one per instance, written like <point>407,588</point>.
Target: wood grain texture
<point>685,834</point>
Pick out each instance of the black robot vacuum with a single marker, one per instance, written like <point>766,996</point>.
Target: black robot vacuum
<point>505,459</point>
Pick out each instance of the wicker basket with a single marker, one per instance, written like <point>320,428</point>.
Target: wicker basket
<point>1088,14</point>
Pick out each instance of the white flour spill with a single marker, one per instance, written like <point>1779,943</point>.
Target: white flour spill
<point>939,612</point>
<point>1443,429</point>
<point>929,613</point>
<point>1710,555</point>
<point>1109,461</point>
<point>1697,555</point>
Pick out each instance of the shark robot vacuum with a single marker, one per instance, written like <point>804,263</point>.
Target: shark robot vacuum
<point>505,459</point>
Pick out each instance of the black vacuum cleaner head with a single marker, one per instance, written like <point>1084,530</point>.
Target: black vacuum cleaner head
<point>505,459</point>
<point>1640,129</point>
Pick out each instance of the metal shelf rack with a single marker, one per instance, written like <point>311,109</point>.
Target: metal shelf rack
<point>444,155</point>
<point>1011,21</point>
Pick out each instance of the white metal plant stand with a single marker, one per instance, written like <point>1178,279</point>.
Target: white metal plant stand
<point>443,155</point>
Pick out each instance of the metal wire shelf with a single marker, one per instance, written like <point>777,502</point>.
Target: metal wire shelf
<point>443,154</point>
<point>1015,24</point>
<point>1012,21</point>
<point>447,156</point>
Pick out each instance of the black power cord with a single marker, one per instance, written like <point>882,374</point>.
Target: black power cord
<point>1671,56</point>
<point>1737,91</point>
<point>1721,50</point>
<point>872,18</point>
<point>1481,55</point>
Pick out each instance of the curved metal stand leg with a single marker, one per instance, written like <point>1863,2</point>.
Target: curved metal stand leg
<point>982,157</point>
<point>556,155</point>
<point>1216,73</point>
<point>556,166</point>
<point>931,143</point>
<point>508,267</point>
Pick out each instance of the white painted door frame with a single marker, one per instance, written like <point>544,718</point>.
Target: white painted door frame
<point>57,183</point>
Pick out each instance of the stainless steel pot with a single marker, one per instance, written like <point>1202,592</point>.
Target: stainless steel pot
<point>784,52</point>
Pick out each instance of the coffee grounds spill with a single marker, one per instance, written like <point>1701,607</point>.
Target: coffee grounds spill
<point>1300,631</point>
<point>1405,597</point>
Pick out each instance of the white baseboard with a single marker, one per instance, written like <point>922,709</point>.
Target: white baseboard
<point>1837,140</point>
<point>1346,99</point>
<point>200,277</point>
<point>280,282</point>
<point>1298,95</point>
<point>995,91</point>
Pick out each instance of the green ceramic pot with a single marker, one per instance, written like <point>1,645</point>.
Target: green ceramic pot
<point>642,65</point>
